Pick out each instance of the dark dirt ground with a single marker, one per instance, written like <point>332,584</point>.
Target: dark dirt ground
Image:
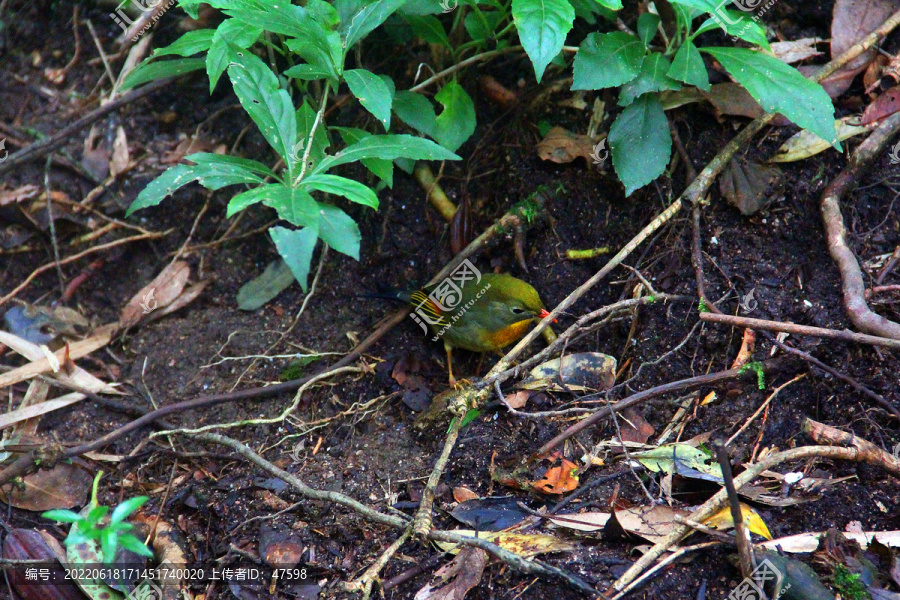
<point>379,458</point>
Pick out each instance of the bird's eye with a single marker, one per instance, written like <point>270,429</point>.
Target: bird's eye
<point>517,311</point>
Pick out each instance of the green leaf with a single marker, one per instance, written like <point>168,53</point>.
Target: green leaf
<point>687,66</point>
<point>685,15</point>
<point>387,147</point>
<point>312,41</point>
<point>640,143</point>
<point>212,176</point>
<point>95,514</point>
<point>341,186</point>
<point>456,123</point>
<point>108,544</point>
<point>663,459</point>
<point>306,72</point>
<point>646,26</point>
<point>296,248</point>
<point>483,25</point>
<point>339,230</point>
<point>383,169</point>
<point>416,111</point>
<point>61,516</point>
<point>133,544</point>
<point>306,117</point>
<point>607,60</point>
<point>699,6</point>
<point>429,29</point>
<point>372,92</point>
<point>294,205</point>
<point>652,78</point>
<point>611,4</point>
<point>360,18</point>
<point>122,511</point>
<point>543,26</point>
<point>258,291</point>
<point>151,71</point>
<point>187,45</point>
<point>270,107</point>
<point>231,34</point>
<point>737,24</point>
<point>780,88</point>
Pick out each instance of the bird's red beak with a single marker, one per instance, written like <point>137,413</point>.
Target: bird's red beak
<point>545,313</point>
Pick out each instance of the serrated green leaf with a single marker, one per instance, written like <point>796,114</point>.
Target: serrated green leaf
<point>231,34</point>
<point>429,29</point>
<point>339,230</point>
<point>341,186</point>
<point>652,78</point>
<point>687,66</point>
<point>189,44</point>
<point>151,71</point>
<point>737,24</point>
<point>210,175</point>
<point>306,72</point>
<point>270,107</point>
<point>383,169</point>
<point>372,92</point>
<point>543,26</point>
<point>607,60</point>
<point>416,111</point>
<point>640,143</point>
<point>296,248</point>
<point>456,123</point>
<point>646,26</point>
<point>294,205</point>
<point>358,19</point>
<point>387,147</point>
<point>780,88</point>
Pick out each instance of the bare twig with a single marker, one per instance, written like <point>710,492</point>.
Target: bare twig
<point>786,327</point>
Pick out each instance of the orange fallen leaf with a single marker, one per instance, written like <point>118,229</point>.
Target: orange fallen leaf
<point>559,479</point>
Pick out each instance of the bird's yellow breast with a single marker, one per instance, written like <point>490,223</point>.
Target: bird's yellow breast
<point>506,336</point>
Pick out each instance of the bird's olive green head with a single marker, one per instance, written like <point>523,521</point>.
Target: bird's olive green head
<point>509,300</point>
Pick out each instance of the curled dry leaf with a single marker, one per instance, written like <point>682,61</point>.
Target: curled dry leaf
<point>462,493</point>
<point>750,186</point>
<point>562,146</point>
<point>159,293</point>
<point>120,161</point>
<point>588,522</point>
<point>583,371</point>
<point>733,99</point>
<point>454,580</point>
<point>796,50</point>
<point>559,479</point>
<point>653,523</point>
<point>853,20</point>
<point>882,107</point>
<point>805,143</point>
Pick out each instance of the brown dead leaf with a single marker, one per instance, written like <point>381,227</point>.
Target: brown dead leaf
<point>634,428</point>
<point>796,50</point>
<point>518,399</point>
<point>653,523</point>
<point>462,493</point>
<point>883,106</point>
<point>454,580</point>
<point>120,160</point>
<point>750,186</point>
<point>873,73</point>
<point>559,479</point>
<point>733,99</point>
<point>19,194</point>
<point>96,154</point>
<point>562,146</point>
<point>63,486</point>
<point>408,372</point>
<point>282,549</point>
<point>591,521</point>
<point>191,145</point>
<point>159,293</point>
<point>497,93</point>
<point>852,20</point>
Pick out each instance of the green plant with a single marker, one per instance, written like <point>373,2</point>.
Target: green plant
<point>848,584</point>
<point>756,367</point>
<point>90,525</point>
<point>322,35</point>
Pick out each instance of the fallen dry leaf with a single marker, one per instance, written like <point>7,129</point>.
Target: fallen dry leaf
<point>462,493</point>
<point>852,20</point>
<point>63,486</point>
<point>159,293</point>
<point>796,50</point>
<point>559,479</point>
<point>592,521</point>
<point>120,161</point>
<point>804,143</point>
<point>455,579</point>
<point>634,428</point>
<point>562,146</point>
<point>722,520</point>
<point>653,523</point>
<point>881,107</point>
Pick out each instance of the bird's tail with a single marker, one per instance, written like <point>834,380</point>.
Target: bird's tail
<point>386,293</point>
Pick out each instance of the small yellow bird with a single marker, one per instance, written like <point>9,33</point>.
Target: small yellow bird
<point>488,314</point>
